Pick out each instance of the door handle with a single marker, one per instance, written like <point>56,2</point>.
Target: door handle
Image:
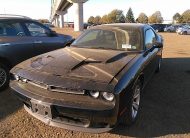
<point>5,44</point>
<point>37,42</point>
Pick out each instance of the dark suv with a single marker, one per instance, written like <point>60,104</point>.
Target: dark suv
<point>22,38</point>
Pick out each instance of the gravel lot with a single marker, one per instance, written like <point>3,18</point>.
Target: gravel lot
<point>165,104</point>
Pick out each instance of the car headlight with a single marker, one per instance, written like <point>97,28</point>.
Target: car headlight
<point>24,80</point>
<point>17,77</point>
<point>108,96</point>
<point>94,94</point>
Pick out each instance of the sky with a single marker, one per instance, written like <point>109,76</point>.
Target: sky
<point>35,9</point>
<point>39,9</point>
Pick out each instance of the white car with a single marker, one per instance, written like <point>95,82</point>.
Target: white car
<point>171,28</point>
<point>183,30</point>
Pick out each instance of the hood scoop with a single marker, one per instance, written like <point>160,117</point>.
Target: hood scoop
<point>117,57</point>
<point>85,62</point>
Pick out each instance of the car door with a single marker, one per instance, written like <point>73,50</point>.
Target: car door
<point>14,42</point>
<point>43,41</point>
<point>151,54</point>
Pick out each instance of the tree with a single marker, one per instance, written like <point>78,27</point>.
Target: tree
<point>176,18</point>
<point>91,20</point>
<point>43,20</point>
<point>142,18</point>
<point>130,16</point>
<point>185,17</point>
<point>116,16</point>
<point>120,18</point>
<point>156,17</point>
<point>97,20</point>
<point>104,19</point>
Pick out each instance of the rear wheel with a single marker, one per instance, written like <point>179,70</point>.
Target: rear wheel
<point>133,105</point>
<point>4,77</point>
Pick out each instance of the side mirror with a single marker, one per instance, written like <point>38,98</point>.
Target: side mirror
<point>158,45</point>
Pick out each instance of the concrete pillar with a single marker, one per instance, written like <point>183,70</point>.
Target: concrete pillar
<point>57,20</point>
<point>54,22</point>
<point>61,17</point>
<point>78,22</point>
<point>62,21</point>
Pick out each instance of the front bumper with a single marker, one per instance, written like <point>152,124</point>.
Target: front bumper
<point>57,113</point>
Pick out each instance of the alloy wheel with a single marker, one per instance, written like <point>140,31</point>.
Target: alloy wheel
<point>3,77</point>
<point>136,101</point>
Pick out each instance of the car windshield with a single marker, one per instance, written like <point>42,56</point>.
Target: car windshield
<point>116,39</point>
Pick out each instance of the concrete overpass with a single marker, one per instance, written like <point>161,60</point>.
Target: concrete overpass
<point>59,9</point>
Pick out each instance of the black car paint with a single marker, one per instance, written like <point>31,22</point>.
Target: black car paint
<point>141,66</point>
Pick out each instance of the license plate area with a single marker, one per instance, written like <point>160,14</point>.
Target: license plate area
<point>41,108</point>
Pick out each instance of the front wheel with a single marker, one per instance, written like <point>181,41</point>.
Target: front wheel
<point>159,65</point>
<point>133,105</point>
<point>4,77</point>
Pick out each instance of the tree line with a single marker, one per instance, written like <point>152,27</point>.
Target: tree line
<point>117,16</point>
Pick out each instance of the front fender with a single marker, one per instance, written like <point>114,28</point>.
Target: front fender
<point>131,75</point>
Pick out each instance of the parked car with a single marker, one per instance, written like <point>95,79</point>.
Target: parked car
<point>171,28</point>
<point>159,27</point>
<point>95,83</point>
<point>184,30</point>
<point>22,38</point>
<point>86,25</point>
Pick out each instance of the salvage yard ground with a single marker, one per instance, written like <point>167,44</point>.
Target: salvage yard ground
<point>165,104</point>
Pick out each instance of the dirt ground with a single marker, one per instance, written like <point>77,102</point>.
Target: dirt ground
<point>165,104</point>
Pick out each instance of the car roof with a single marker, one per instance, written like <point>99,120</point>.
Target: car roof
<point>15,18</point>
<point>137,26</point>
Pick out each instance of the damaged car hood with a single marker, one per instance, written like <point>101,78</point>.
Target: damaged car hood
<point>81,63</point>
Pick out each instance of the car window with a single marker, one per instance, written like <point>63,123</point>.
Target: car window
<point>121,39</point>
<point>35,29</point>
<point>150,38</point>
<point>90,37</point>
<point>11,29</point>
<point>98,39</point>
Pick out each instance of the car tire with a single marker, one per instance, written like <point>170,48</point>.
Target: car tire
<point>184,33</point>
<point>133,105</point>
<point>4,77</point>
<point>159,65</point>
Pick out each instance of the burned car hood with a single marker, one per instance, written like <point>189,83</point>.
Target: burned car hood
<point>81,63</point>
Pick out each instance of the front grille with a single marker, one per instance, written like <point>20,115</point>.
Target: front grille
<point>57,88</point>
<point>66,90</point>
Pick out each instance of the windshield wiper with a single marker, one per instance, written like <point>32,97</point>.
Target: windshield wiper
<point>117,57</point>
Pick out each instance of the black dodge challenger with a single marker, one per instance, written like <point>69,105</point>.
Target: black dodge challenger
<point>95,83</point>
